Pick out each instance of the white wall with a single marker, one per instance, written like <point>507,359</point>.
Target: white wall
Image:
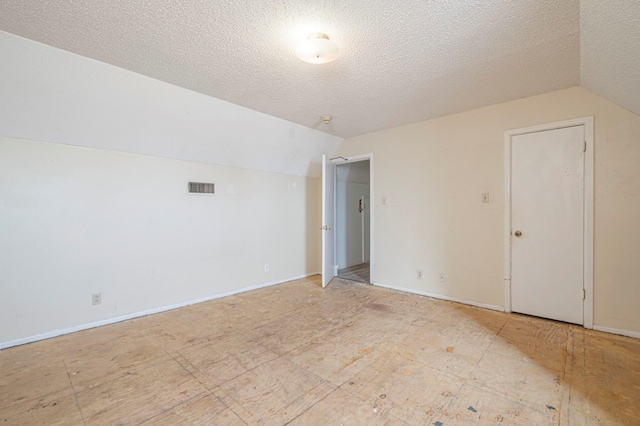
<point>74,221</point>
<point>433,173</point>
<point>50,95</point>
<point>349,228</point>
<point>352,182</point>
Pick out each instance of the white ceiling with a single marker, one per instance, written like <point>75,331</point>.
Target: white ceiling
<point>402,60</point>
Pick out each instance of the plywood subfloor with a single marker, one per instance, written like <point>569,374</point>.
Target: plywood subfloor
<point>349,354</point>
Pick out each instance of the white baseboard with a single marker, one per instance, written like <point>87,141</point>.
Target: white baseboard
<point>443,297</point>
<point>627,333</point>
<point>56,333</point>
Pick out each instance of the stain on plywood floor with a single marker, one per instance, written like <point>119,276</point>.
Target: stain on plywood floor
<point>349,354</point>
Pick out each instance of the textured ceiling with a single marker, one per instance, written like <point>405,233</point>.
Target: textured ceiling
<point>610,50</point>
<point>402,60</point>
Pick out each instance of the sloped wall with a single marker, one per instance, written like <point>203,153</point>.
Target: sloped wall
<point>51,95</point>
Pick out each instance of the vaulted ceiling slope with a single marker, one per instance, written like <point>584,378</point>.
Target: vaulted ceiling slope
<point>610,50</point>
<point>402,60</point>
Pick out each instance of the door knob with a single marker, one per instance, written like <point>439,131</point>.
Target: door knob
<point>518,233</point>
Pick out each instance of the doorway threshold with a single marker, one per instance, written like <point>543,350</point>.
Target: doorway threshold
<point>360,273</point>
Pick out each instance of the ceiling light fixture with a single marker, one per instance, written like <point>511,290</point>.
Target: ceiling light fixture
<point>317,49</point>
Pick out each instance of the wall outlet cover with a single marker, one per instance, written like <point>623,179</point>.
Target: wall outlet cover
<point>96,298</point>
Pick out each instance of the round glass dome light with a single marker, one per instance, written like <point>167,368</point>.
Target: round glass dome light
<point>317,49</point>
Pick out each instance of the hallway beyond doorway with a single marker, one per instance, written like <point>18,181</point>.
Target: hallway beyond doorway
<point>360,273</point>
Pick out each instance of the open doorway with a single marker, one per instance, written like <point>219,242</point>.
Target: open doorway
<point>353,221</point>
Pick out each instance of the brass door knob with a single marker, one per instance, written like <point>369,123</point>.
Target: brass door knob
<point>518,233</point>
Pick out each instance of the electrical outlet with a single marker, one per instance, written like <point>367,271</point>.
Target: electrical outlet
<point>384,201</point>
<point>96,298</point>
<point>419,274</point>
<point>442,277</point>
<point>266,267</point>
<point>485,197</point>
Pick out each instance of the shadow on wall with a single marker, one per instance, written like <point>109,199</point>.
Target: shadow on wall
<point>312,225</point>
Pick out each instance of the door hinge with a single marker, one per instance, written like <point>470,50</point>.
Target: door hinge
<point>585,147</point>
<point>584,294</point>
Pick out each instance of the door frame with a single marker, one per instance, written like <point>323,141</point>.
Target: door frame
<point>588,123</point>
<point>355,159</point>
<point>366,201</point>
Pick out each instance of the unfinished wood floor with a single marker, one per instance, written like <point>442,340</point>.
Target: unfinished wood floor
<point>349,354</point>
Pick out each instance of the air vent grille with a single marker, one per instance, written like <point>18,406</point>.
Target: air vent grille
<point>201,188</point>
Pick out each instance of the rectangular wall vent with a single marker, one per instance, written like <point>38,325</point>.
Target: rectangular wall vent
<point>201,188</point>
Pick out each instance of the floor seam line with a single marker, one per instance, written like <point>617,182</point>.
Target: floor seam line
<point>73,389</point>
<point>316,403</point>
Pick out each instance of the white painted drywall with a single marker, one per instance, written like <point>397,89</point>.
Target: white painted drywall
<point>48,94</point>
<point>432,175</point>
<point>352,182</point>
<point>75,221</point>
<point>349,227</point>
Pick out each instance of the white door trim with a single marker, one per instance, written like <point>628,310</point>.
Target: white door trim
<point>328,226</point>
<point>587,122</point>
<point>353,159</point>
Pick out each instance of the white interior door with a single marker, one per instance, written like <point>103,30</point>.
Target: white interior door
<point>328,219</point>
<point>547,217</point>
